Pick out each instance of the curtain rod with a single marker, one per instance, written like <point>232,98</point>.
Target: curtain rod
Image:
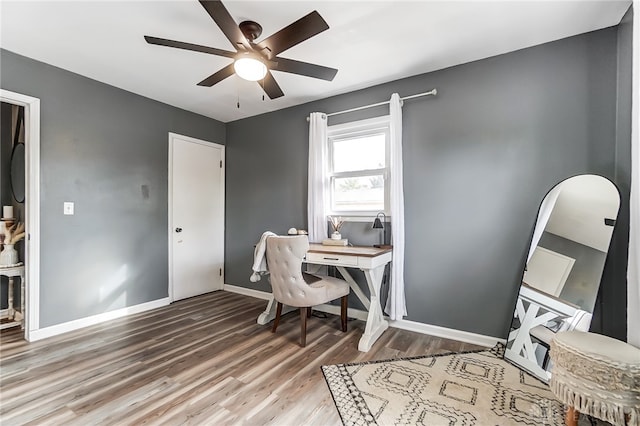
<point>418,95</point>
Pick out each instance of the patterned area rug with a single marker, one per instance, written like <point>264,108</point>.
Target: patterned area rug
<point>475,388</point>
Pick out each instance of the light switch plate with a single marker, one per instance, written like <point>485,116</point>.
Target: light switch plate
<point>68,208</point>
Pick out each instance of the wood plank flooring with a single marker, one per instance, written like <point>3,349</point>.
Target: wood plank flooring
<point>201,361</point>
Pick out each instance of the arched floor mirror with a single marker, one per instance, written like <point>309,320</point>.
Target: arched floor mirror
<point>564,268</point>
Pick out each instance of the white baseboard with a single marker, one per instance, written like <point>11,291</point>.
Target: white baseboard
<point>57,329</point>
<point>447,333</point>
<point>4,313</point>
<point>266,295</point>
<point>418,327</point>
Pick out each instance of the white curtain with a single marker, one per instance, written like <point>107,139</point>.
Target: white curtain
<point>396,306</point>
<point>317,174</point>
<point>633,272</point>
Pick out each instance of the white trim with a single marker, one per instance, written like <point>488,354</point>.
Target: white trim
<point>173,136</point>
<point>264,295</point>
<point>32,206</point>
<point>4,313</point>
<point>447,333</point>
<point>364,218</point>
<point>379,122</point>
<point>418,327</point>
<point>66,327</point>
<point>633,272</point>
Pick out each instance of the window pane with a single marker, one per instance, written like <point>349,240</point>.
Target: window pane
<point>358,193</point>
<point>363,153</point>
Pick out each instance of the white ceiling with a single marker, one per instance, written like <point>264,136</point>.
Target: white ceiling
<point>370,42</point>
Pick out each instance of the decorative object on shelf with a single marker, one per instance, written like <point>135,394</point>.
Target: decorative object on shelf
<point>12,234</point>
<point>379,224</point>
<point>336,222</point>
<point>7,212</point>
<point>294,231</point>
<point>9,255</point>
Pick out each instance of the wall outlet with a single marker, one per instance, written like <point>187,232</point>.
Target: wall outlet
<point>68,208</point>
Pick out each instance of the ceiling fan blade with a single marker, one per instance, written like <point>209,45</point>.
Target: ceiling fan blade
<point>218,76</point>
<point>304,68</point>
<point>188,46</point>
<point>271,87</point>
<point>295,33</point>
<point>225,21</point>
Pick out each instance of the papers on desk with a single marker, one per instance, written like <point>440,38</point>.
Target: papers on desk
<point>332,242</point>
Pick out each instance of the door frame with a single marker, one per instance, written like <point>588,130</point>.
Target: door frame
<point>172,138</point>
<point>32,206</point>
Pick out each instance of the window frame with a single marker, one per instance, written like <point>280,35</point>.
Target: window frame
<point>351,130</point>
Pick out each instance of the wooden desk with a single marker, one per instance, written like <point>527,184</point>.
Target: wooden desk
<point>371,261</point>
<point>16,317</point>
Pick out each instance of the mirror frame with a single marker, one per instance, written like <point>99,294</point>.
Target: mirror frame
<point>552,305</point>
<point>18,193</point>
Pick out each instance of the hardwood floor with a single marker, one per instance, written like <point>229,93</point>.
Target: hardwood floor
<point>198,361</point>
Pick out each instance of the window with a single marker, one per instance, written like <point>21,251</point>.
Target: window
<point>358,172</point>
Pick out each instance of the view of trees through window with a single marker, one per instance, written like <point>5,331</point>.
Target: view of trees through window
<point>358,172</point>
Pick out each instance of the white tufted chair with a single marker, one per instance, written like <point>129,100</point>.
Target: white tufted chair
<point>284,260</point>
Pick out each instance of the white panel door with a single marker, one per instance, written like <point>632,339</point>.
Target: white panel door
<point>196,217</point>
<point>548,271</point>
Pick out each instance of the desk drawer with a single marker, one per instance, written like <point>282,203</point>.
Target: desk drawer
<point>332,259</point>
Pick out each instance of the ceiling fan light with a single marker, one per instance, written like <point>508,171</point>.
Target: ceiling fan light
<point>250,69</point>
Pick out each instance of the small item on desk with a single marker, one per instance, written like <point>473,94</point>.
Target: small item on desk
<point>333,242</point>
<point>383,246</point>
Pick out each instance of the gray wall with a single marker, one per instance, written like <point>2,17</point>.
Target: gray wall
<point>478,159</point>
<point>99,146</point>
<point>6,144</point>
<point>609,315</point>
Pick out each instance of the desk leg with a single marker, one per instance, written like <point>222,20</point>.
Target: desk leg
<point>19,316</point>
<point>376,324</point>
<point>354,286</point>
<point>270,312</point>
<point>10,309</point>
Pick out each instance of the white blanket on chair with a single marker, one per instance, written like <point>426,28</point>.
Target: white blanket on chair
<point>260,258</point>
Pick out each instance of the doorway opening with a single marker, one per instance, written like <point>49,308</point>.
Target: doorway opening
<point>20,201</point>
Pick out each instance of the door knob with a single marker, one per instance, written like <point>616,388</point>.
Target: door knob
<point>178,229</point>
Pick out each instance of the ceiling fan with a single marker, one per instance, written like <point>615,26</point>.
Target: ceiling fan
<point>255,61</point>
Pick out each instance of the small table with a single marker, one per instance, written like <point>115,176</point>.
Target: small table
<point>371,261</point>
<point>16,317</point>
<point>596,375</point>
